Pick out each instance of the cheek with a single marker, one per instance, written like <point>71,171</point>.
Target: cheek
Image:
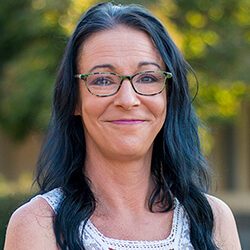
<point>89,111</point>
<point>163,114</point>
<point>160,107</point>
<point>92,109</point>
<point>86,103</point>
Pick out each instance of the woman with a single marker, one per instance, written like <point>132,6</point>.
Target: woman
<point>121,167</point>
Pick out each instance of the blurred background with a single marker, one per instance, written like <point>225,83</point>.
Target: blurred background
<point>214,36</point>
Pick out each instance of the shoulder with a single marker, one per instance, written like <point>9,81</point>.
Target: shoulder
<point>31,227</point>
<point>225,229</point>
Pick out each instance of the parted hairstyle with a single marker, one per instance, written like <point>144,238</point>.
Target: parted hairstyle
<point>178,167</point>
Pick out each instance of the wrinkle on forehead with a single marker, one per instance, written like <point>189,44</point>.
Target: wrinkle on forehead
<point>137,47</point>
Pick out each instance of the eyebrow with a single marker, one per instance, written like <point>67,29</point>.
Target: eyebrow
<point>148,63</point>
<point>102,66</point>
<point>110,66</point>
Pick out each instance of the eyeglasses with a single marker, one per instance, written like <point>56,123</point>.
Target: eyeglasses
<point>147,83</point>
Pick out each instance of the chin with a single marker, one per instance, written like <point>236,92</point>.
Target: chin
<point>131,152</point>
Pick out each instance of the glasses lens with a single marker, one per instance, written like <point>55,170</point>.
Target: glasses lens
<point>149,83</point>
<point>103,84</point>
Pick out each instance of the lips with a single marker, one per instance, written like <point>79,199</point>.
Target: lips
<point>127,121</point>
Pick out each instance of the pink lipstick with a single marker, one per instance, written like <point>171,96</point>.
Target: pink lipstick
<point>127,122</point>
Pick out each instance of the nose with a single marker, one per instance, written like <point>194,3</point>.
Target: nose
<point>126,96</point>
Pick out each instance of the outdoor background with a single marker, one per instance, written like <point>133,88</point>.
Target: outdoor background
<point>214,36</point>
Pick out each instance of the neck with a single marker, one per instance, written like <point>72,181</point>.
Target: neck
<point>120,186</point>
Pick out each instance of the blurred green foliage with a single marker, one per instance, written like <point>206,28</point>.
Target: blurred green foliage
<point>31,44</point>
<point>7,205</point>
<point>215,39</point>
<point>214,36</point>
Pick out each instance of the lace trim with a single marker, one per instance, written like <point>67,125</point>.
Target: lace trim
<point>54,198</point>
<point>179,237</point>
<point>90,231</point>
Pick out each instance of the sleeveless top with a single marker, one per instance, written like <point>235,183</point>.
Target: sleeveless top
<point>93,239</point>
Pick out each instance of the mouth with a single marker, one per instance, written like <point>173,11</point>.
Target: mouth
<point>127,121</point>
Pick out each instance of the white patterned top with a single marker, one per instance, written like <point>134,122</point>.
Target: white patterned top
<point>93,239</point>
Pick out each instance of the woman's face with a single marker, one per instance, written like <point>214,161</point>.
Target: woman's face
<point>122,126</point>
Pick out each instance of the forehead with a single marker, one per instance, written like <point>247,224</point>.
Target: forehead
<point>121,46</point>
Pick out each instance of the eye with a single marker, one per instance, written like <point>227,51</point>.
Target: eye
<point>101,81</point>
<point>147,78</point>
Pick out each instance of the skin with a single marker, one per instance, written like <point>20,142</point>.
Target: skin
<point>119,132</point>
<point>109,120</point>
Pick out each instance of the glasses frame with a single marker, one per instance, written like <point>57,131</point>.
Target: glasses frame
<point>83,77</point>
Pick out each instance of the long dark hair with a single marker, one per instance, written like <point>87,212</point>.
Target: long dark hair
<point>177,167</point>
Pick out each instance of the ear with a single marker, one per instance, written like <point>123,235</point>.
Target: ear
<point>78,110</point>
<point>78,107</point>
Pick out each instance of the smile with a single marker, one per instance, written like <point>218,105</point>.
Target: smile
<point>127,121</point>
